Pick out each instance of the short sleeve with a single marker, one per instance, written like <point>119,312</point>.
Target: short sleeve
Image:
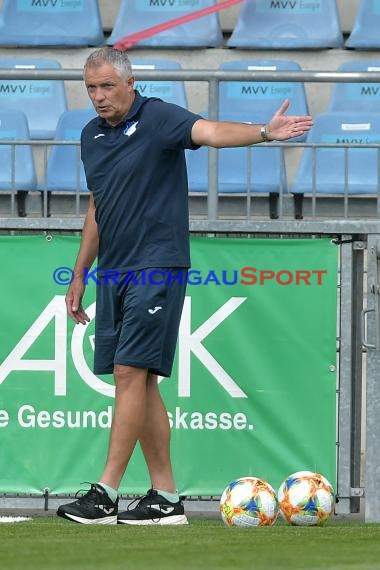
<point>174,124</point>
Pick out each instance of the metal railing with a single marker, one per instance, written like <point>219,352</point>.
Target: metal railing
<point>284,205</point>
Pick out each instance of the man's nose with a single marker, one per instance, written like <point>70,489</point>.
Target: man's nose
<point>98,95</point>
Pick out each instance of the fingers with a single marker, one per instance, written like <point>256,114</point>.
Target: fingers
<point>294,124</point>
<point>74,307</point>
<point>300,122</point>
<point>283,108</point>
<point>306,120</point>
<point>79,316</point>
<point>287,127</point>
<point>300,125</point>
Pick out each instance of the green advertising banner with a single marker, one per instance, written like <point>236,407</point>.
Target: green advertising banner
<point>253,391</point>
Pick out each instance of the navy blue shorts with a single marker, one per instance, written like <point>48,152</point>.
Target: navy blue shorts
<point>137,319</point>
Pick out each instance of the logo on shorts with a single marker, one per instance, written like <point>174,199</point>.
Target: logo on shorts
<point>153,311</point>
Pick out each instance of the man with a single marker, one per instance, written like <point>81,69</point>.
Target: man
<point>137,227</point>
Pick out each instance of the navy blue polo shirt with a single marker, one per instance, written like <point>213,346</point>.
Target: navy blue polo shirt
<point>137,173</point>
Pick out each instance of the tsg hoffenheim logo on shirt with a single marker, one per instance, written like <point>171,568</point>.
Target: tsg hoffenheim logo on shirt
<point>130,128</point>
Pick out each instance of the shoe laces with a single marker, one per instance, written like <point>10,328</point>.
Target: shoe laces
<point>142,500</point>
<point>91,496</point>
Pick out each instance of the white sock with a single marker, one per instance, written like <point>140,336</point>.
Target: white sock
<point>171,497</point>
<point>112,493</point>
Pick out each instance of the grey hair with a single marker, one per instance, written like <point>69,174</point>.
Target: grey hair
<point>118,59</point>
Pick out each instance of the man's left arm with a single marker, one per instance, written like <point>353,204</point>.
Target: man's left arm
<point>220,134</point>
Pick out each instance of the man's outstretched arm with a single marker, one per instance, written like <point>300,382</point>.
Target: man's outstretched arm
<point>221,134</point>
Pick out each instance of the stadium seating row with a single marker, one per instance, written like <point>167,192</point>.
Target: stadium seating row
<point>261,24</point>
<point>338,160</point>
<point>44,101</point>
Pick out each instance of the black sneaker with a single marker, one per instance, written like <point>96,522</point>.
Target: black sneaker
<point>153,509</point>
<point>95,507</point>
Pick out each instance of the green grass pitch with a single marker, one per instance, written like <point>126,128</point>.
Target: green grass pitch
<point>49,543</point>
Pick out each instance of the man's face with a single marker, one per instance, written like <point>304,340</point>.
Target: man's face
<point>111,95</point>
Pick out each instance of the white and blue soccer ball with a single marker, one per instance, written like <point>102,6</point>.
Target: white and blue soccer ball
<point>249,501</point>
<point>306,499</point>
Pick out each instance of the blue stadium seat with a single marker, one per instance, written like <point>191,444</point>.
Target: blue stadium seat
<point>17,171</point>
<point>287,24</point>
<point>63,166</point>
<point>138,15</point>
<point>356,96</point>
<point>42,100</point>
<point>334,169</point>
<point>50,22</point>
<point>257,169</point>
<point>365,31</point>
<point>251,100</point>
<point>170,91</point>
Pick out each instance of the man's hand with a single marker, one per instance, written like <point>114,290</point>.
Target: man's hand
<point>73,300</point>
<point>282,127</point>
